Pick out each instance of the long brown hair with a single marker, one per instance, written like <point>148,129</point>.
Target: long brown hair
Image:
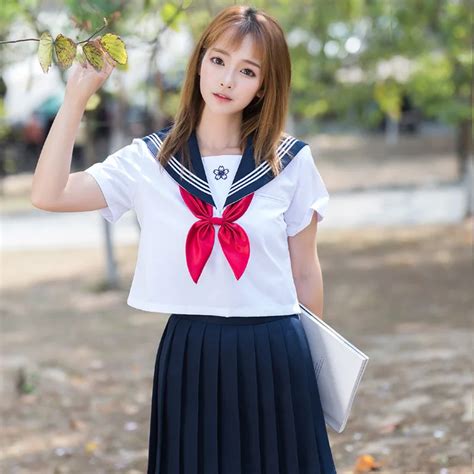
<point>264,116</point>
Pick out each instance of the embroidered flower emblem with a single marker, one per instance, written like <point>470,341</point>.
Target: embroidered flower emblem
<point>221,172</point>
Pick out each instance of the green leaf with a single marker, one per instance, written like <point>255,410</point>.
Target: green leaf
<point>94,55</point>
<point>45,51</point>
<point>388,95</point>
<point>169,14</point>
<point>115,48</point>
<point>65,49</point>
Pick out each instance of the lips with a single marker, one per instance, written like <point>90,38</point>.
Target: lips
<point>222,96</point>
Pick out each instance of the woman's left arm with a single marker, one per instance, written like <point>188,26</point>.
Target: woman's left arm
<point>306,269</point>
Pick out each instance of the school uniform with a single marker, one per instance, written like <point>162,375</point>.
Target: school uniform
<point>234,389</point>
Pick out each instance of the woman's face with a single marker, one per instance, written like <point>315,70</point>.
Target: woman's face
<point>236,74</point>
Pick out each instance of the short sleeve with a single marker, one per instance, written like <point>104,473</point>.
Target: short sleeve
<point>117,177</point>
<point>310,194</point>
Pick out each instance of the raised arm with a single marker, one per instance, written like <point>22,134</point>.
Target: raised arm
<point>54,187</point>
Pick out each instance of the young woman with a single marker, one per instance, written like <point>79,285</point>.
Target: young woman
<point>234,389</point>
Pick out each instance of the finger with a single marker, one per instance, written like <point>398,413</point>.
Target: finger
<point>107,69</point>
<point>109,59</point>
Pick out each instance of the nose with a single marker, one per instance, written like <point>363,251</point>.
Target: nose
<point>227,81</point>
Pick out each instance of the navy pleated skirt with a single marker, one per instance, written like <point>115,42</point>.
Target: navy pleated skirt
<point>236,395</point>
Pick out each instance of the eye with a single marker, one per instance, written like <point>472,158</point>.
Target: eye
<point>252,73</point>
<point>249,72</point>
<point>215,57</point>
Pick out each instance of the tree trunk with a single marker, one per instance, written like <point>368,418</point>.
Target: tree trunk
<point>465,165</point>
<point>392,131</point>
<point>463,146</point>
<point>118,139</point>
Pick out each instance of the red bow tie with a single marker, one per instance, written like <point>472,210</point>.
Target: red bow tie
<point>232,237</point>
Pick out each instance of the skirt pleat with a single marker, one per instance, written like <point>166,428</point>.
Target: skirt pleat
<point>267,406</point>
<point>191,396</point>
<point>248,400</point>
<point>236,395</point>
<point>209,401</point>
<point>287,440</point>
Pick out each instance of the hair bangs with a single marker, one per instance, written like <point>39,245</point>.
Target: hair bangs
<point>233,34</point>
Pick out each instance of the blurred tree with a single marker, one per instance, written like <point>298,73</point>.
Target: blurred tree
<point>123,17</point>
<point>442,84</point>
<point>350,54</point>
<point>354,61</point>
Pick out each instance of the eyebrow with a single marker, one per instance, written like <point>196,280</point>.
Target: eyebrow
<point>244,60</point>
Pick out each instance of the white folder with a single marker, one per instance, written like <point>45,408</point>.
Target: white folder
<point>338,366</point>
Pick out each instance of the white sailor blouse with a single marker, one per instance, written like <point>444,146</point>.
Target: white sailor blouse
<point>181,267</point>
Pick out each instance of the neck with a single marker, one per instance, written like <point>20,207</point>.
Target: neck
<point>219,132</point>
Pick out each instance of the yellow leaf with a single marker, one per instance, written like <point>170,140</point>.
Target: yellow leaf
<point>115,47</point>
<point>90,447</point>
<point>65,50</point>
<point>122,67</point>
<point>366,463</point>
<point>45,50</point>
<point>94,55</point>
<point>93,102</point>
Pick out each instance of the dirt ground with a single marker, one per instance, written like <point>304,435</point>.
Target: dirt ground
<point>404,296</point>
<point>77,362</point>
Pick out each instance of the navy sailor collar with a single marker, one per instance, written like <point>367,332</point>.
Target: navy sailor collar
<point>248,177</point>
